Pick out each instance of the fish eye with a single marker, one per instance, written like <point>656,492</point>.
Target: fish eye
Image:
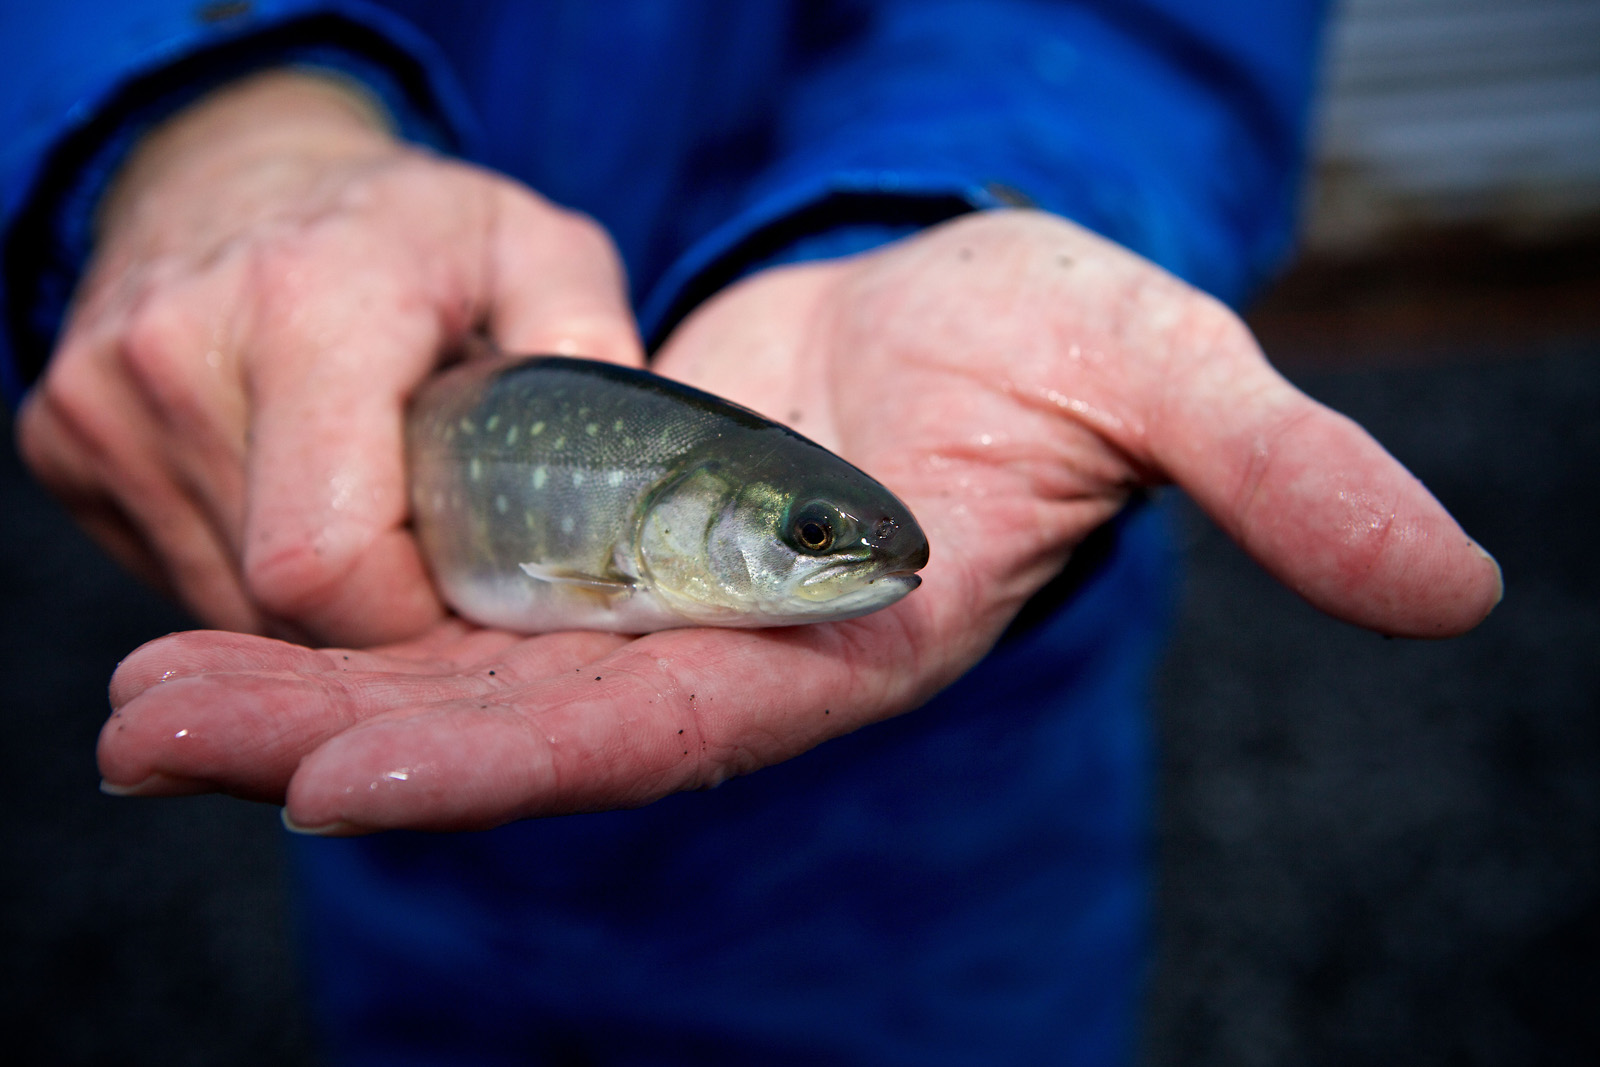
<point>814,528</point>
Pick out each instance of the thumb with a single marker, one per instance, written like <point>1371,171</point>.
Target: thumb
<point>1319,503</point>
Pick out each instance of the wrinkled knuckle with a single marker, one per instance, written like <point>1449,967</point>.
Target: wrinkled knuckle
<point>57,391</point>
<point>38,439</point>
<point>146,351</point>
<point>153,342</point>
<point>163,352</point>
<point>78,351</point>
<point>64,401</point>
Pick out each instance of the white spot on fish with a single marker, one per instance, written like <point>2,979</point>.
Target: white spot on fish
<point>467,426</point>
<point>500,503</point>
<point>614,479</point>
<point>566,524</point>
<point>536,429</point>
<point>577,479</point>
<point>559,443</point>
<point>592,429</point>
<point>475,468</point>
<point>511,434</point>
<point>494,420</point>
<point>539,475</point>
<point>616,427</point>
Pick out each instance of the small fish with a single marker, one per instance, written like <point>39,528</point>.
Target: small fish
<point>551,493</point>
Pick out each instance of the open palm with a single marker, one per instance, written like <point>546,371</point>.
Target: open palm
<point>1008,375</point>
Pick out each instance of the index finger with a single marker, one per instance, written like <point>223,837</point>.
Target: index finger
<point>325,546</point>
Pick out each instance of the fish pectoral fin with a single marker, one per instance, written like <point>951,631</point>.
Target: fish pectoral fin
<point>540,572</point>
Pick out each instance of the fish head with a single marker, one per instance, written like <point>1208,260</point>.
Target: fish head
<point>783,535</point>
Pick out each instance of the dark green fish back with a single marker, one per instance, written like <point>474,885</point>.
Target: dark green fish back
<point>551,451</point>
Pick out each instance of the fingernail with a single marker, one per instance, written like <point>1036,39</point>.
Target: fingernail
<point>157,785</point>
<point>1499,577</point>
<point>337,828</point>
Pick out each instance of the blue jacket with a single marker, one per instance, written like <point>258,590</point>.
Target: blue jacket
<point>965,884</point>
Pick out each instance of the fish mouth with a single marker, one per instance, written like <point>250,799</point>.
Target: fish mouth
<point>862,597</point>
<point>872,595</point>
<point>834,571</point>
<point>907,580</point>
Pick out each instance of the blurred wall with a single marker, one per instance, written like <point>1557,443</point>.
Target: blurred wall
<point>1451,112</point>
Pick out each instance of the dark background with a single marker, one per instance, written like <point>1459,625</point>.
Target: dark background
<point>134,933</point>
<point>1389,851</point>
<point>1370,851</point>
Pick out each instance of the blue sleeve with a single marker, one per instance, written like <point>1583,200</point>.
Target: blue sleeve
<point>1175,128</point>
<point>80,81</point>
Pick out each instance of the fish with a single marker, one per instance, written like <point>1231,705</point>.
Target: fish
<point>557,493</point>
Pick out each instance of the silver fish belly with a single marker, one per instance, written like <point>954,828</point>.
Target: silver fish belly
<point>551,493</point>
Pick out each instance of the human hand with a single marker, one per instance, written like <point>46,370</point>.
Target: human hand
<point>1009,375</point>
<point>273,275</point>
